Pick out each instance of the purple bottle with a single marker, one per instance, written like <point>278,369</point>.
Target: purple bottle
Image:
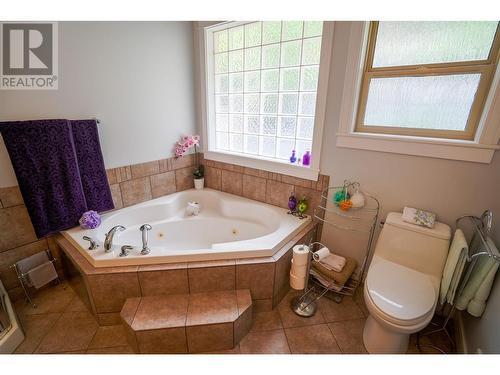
<point>292,202</point>
<point>306,159</point>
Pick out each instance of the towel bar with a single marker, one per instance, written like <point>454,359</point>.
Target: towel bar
<point>24,280</point>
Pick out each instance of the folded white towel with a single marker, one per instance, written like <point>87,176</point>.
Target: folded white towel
<point>335,262</point>
<point>453,268</point>
<point>419,217</point>
<point>26,264</point>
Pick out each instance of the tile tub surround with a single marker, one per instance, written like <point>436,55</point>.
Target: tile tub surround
<point>141,182</point>
<point>260,185</point>
<point>108,288</point>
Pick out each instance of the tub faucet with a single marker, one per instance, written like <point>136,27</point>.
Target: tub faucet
<point>145,236</point>
<point>108,242</point>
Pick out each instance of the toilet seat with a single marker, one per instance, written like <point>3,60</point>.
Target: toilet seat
<point>400,295</point>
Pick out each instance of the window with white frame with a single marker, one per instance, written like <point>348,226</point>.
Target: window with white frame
<point>262,80</point>
<point>427,79</point>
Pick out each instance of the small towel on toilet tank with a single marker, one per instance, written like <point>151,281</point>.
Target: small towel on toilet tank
<point>419,217</point>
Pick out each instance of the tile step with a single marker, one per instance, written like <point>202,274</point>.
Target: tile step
<point>187,323</point>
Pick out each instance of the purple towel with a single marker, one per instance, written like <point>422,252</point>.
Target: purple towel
<point>44,157</point>
<point>91,165</point>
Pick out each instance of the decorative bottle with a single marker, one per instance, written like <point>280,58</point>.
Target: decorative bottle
<point>293,158</point>
<point>306,159</point>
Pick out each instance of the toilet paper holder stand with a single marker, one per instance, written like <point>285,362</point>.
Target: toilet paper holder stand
<point>305,305</point>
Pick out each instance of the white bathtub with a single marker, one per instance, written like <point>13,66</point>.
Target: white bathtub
<point>228,227</point>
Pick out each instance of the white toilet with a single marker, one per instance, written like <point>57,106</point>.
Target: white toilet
<point>402,285</point>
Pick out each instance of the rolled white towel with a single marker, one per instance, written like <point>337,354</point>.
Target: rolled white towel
<point>335,262</point>
<point>321,254</point>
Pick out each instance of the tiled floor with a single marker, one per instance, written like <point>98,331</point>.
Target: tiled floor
<point>62,324</point>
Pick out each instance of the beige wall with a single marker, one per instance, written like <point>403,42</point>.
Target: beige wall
<point>449,188</point>
<point>136,77</point>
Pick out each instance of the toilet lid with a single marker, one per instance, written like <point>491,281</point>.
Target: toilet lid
<point>400,292</point>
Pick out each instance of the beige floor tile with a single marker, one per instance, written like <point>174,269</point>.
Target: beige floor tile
<point>73,331</point>
<point>76,305</point>
<point>52,299</point>
<point>265,342</point>
<point>35,328</point>
<point>311,340</point>
<point>108,337</point>
<point>266,321</point>
<point>115,350</point>
<point>290,319</point>
<point>334,312</point>
<point>349,335</point>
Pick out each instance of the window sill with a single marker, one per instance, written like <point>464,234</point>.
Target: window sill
<point>418,146</point>
<point>270,165</point>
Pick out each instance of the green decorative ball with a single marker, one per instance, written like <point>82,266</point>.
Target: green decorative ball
<point>302,206</point>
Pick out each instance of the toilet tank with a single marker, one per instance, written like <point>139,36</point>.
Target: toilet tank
<point>420,248</point>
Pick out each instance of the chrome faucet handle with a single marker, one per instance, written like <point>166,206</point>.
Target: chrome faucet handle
<point>125,250</point>
<point>108,242</point>
<point>145,237</point>
<point>93,244</point>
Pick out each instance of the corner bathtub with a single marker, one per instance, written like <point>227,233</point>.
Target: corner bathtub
<point>228,227</point>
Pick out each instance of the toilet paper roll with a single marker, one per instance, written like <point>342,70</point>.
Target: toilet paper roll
<point>300,254</point>
<point>321,254</point>
<point>299,271</point>
<point>297,283</point>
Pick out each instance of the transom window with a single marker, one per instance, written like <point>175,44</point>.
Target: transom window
<point>427,78</point>
<point>263,82</point>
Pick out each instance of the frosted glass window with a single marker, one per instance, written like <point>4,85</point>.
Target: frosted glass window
<point>271,56</point>
<point>252,58</point>
<point>252,103</point>
<point>251,144</point>
<point>269,125</point>
<point>290,53</point>
<point>271,32</point>
<point>220,41</point>
<point>267,146</point>
<point>252,81</point>
<point>236,38</point>
<point>236,61</point>
<point>433,102</point>
<point>289,80</point>
<point>221,83</point>
<point>236,142</point>
<point>292,30</point>
<point>222,122</point>
<point>302,146</point>
<point>235,82</point>
<point>252,124</point>
<point>265,78</point>
<point>221,63</point>
<point>253,36</point>
<point>222,140</point>
<point>270,80</point>
<point>236,103</point>
<point>413,43</point>
<point>236,123</point>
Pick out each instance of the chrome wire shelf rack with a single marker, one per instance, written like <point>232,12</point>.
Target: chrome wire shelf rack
<point>358,220</point>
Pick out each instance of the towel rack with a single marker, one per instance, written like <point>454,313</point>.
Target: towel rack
<point>23,278</point>
<point>481,228</point>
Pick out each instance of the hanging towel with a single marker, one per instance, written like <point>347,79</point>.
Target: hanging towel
<point>479,285</point>
<point>44,159</point>
<point>91,165</point>
<point>453,268</point>
<point>42,274</point>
